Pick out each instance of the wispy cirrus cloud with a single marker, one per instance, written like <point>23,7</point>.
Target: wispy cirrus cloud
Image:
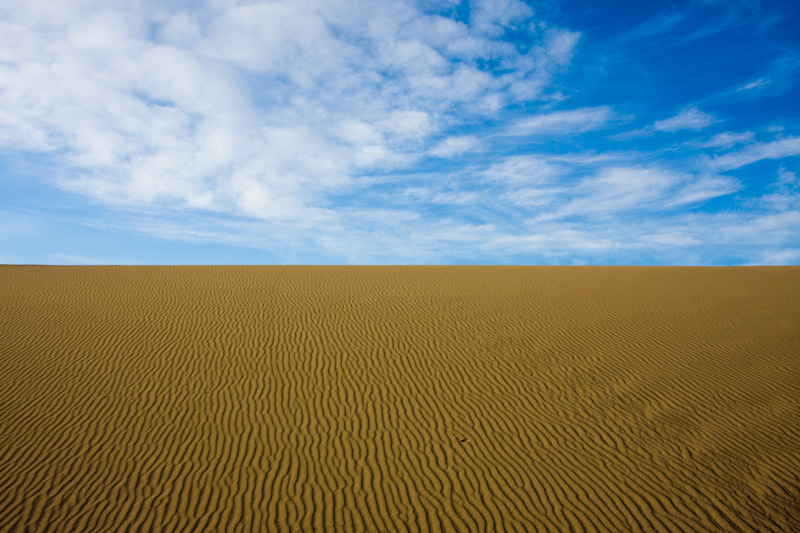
<point>562,122</point>
<point>775,78</point>
<point>727,139</point>
<point>752,153</point>
<point>523,169</point>
<point>614,191</point>
<point>755,84</point>
<point>689,118</point>
<point>455,145</point>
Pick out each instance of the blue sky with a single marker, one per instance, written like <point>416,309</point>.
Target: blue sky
<point>392,131</point>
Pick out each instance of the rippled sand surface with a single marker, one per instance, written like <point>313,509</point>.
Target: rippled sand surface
<point>399,399</point>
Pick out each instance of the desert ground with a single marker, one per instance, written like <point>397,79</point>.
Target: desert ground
<point>300,398</point>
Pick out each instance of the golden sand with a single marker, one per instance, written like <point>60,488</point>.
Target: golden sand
<point>399,398</point>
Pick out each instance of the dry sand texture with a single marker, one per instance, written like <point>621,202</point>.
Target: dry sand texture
<point>399,398</point>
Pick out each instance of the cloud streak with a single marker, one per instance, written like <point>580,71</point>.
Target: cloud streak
<point>781,148</point>
<point>562,122</point>
<point>689,118</point>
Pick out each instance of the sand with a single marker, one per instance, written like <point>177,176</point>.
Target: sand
<point>399,399</point>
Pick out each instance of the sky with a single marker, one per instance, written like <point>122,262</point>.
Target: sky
<point>399,132</point>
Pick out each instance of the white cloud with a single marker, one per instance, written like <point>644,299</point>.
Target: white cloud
<point>522,169</point>
<point>562,122</point>
<point>689,118</point>
<point>671,238</point>
<point>765,237</point>
<point>785,193</point>
<point>556,241</point>
<point>579,184</point>
<point>789,256</point>
<point>727,140</point>
<point>777,78</point>
<point>767,229</point>
<point>754,84</point>
<point>453,146</point>
<point>787,147</point>
<point>787,178</point>
<point>539,197</point>
<point>621,188</point>
<point>702,189</point>
<point>262,109</point>
<point>614,190</point>
<point>560,45</point>
<point>432,196</point>
<point>402,231</point>
<point>493,16</point>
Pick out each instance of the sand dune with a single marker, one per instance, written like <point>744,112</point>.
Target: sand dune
<point>399,399</point>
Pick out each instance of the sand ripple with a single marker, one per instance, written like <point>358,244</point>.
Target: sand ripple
<point>399,399</point>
